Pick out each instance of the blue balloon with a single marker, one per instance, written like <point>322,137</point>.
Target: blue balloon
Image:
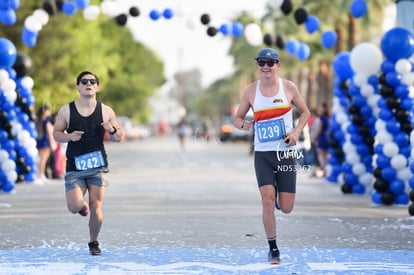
<point>14,4</point>
<point>393,126</point>
<point>406,104</point>
<point>7,186</point>
<point>376,197</point>
<point>168,13</point>
<point>8,17</point>
<point>358,189</point>
<point>397,43</point>
<point>312,24</point>
<point>397,186</point>
<point>385,114</point>
<point>237,29</point>
<point>342,66</point>
<point>351,179</point>
<point>347,167</point>
<point>387,66</point>
<point>383,161</point>
<point>373,80</point>
<point>393,78</point>
<point>292,46</point>
<point>402,91</point>
<point>389,173</point>
<point>405,150</point>
<point>8,53</point>
<point>29,38</point>
<point>225,29</point>
<point>69,8</point>
<point>329,38</point>
<point>304,52</point>
<point>154,15</point>
<point>358,8</point>
<point>401,139</point>
<point>82,4</point>
<point>402,199</point>
<point>411,182</point>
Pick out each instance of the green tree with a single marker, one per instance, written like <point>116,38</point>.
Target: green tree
<point>129,72</point>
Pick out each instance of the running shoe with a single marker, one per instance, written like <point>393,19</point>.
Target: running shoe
<point>84,212</point>
<point>94,248</point>
<point>274,256</point>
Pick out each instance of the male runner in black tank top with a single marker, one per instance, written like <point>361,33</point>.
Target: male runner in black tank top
<point>82,124</point>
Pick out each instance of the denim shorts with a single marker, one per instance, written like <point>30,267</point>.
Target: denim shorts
<point>81,179</point>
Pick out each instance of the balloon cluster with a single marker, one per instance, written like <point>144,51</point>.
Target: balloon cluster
<point>372,119</point>
<point>8,12</point>
<point>18,150</point>
<point>351,135</point>
<point>235,29</point>
<point>395,119</point>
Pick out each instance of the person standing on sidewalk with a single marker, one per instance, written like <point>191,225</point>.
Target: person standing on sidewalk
<point>273,99</point>
<point>82,124</point>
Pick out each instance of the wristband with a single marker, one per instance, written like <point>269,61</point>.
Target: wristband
<point>113,132</point>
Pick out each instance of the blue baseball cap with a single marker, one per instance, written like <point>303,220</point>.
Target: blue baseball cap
<point>268,53</point>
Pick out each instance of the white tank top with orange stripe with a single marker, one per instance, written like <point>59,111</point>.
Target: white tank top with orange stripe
<point>273,117</point>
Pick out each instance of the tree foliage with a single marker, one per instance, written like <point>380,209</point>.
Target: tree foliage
<point>128,71</point>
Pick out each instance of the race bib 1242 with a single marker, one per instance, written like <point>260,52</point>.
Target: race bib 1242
<point>89,161</point>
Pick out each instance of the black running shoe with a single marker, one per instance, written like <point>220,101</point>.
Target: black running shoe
<point>274,256</point>
<point>94,248</point>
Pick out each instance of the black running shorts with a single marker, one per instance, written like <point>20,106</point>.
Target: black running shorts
<point>277,168</point>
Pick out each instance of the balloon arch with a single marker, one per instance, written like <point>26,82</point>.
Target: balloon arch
<point>372,114</point>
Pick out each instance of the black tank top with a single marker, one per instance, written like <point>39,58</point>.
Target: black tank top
<point>92,139</point>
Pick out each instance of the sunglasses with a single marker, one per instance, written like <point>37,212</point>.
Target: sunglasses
<point>269,63</point>
<point>85,81</point>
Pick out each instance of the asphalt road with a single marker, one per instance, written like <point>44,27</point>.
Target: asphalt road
<point>205,198</point>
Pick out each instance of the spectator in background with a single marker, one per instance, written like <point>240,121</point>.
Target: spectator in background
<point>181,132</point>
<point>322,137</point>
<point>45,142</point>
<point>314,123</point>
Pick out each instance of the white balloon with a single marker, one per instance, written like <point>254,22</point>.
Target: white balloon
<point>360,80</point>
<point>366,58</point>
<point>366,178</point>
<point>358,169</point>
<point>3,155</point>
<point>32,23</point>
<point>380,125</point>
<point>182,10</point>
<point>349,146</point>
<point>384,137</point>
<point>253,34</point>
<point>42,16</point>
<point>27,82</point>
<point>352,158</point>
<point>399,161</point>
<point>11,95</point>
<point>390,149</point>
<point>91,12</point>
<point>8,85</point>
<point>4,75</point>
<point>276,4</point>
<point>8,165</point>
<point>404,174</point>
<point>367,90</point>
<point>341,118</point>
<point>109,8</point>
<point>11,175</point>
<point>403,66</point>
<point>408,79</point>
